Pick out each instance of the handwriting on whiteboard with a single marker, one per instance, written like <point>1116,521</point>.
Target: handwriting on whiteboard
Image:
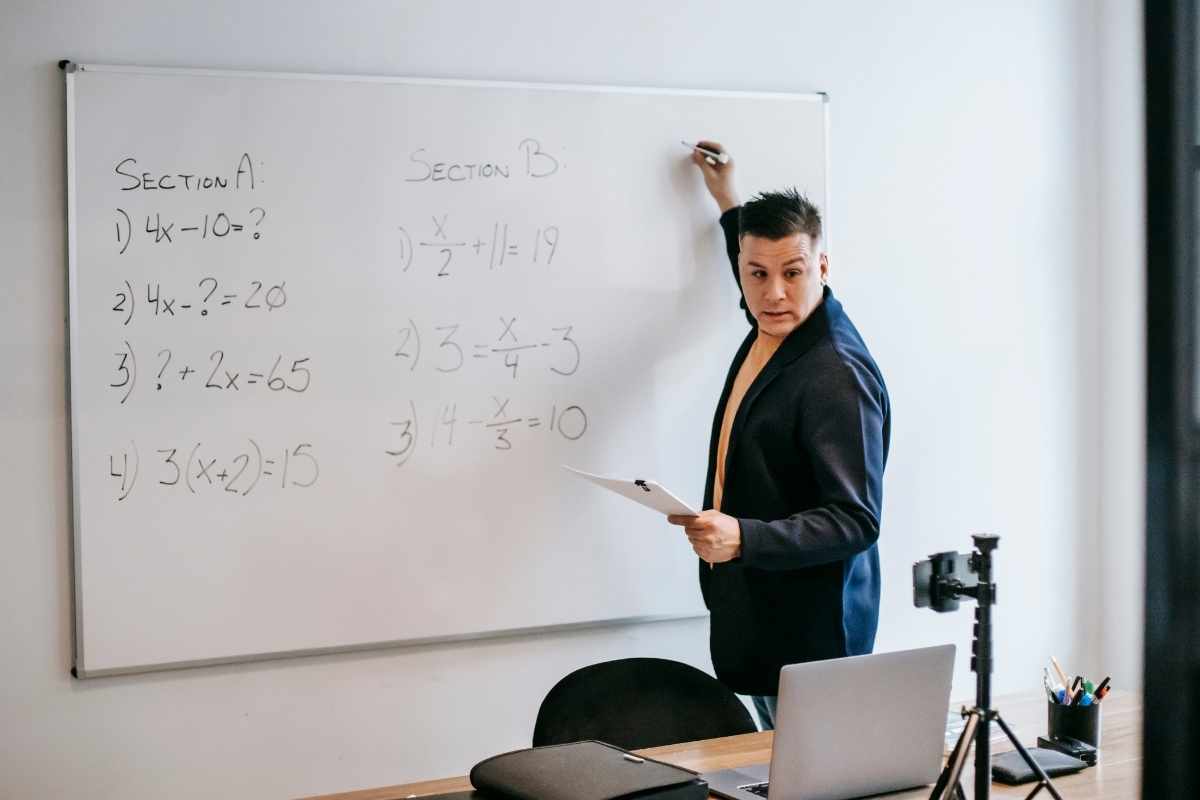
<point>532,158</point>
<point>136,178</point>
<point>212,372</point>
<point>207,295</point>
<point>447,246</point>
<point>212,225</point>
<point>198,468</point>
<point>453,349</point>
<point>493,424</point>
<point>198,354</point>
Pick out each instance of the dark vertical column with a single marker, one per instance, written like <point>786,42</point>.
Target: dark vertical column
<point>1172,648</point>
<point>982,661</point>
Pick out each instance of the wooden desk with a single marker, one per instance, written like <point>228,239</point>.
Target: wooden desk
<point>1117,775</point>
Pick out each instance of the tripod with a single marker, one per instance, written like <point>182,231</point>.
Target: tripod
<point>945,591</point>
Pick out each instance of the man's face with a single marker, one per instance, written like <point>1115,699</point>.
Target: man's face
<point>781,280</point>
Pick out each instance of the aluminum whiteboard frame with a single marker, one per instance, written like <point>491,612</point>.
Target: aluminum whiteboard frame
<point>71,69</point>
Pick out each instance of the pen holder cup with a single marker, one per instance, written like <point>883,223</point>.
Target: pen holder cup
<point>1078,722</point>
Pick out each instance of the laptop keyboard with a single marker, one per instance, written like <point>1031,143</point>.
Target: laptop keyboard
<point>759,789</point>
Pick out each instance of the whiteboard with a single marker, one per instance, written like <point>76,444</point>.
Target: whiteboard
<point>332,337</point>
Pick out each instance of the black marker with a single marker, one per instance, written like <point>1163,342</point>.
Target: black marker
<point>711,156</point>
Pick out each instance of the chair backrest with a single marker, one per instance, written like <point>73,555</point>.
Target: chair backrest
<point>639,702</point>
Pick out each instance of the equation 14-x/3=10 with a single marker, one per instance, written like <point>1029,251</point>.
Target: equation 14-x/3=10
<point>493,425</point>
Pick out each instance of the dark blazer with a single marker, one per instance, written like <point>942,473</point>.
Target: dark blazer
<point>804,478</point>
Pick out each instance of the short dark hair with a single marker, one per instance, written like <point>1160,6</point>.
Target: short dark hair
<point>775,215</point>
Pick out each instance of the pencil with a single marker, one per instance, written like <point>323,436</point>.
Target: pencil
<point>1062,676</point>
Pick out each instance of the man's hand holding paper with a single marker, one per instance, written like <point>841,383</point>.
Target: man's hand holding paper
<point>715,537</point>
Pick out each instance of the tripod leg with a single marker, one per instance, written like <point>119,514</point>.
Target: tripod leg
<point>939,788</point>
<point>947,786</point>
<point>1043,779</point>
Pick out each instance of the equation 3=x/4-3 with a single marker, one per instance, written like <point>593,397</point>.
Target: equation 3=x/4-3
<point>288,375</point>
<point>503,345</point>
<point>197,468</point>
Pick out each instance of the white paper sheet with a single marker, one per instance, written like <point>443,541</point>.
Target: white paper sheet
<point>645,492</point>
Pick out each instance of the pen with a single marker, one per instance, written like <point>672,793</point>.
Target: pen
<point>711,156</point>
<point>1046,682</point>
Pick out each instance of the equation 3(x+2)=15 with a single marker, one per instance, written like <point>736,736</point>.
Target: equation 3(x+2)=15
<point>198,468</point>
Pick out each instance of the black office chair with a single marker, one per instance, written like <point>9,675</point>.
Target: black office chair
<point>639,702</point>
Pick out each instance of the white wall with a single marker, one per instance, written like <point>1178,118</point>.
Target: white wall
<point>965,181</point>
<point>1116,639</point>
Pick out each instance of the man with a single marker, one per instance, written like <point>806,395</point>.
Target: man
<point>790,567</point>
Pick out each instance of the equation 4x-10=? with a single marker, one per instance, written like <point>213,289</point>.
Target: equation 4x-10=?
<point>208,296</point>
<point>493,424</point>
<point>443,250</point>
<point>203,468</point>
<point>213,225</point>
<point>454,349</point>
<point>292,375</point>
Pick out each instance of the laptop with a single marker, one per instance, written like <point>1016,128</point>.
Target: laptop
<point>852,727</point>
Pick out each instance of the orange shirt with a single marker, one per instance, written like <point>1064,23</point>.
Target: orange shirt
<point>760,353</point>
